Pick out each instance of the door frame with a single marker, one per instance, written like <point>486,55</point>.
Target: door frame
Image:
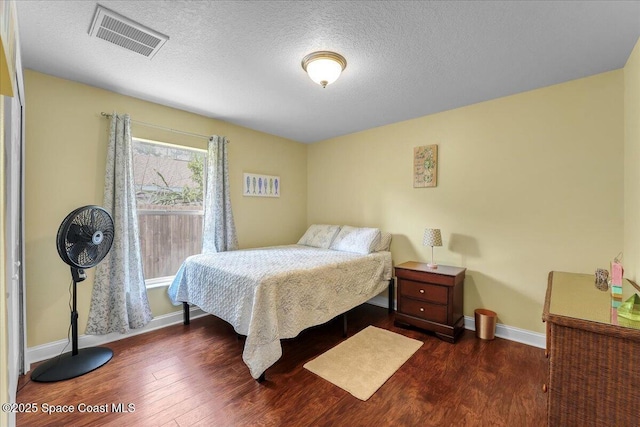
<point>14,180</point>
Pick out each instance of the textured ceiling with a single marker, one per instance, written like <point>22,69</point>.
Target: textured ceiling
<point>239,61</point>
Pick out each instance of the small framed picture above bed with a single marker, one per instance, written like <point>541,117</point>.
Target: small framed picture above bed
<point>260,185</point>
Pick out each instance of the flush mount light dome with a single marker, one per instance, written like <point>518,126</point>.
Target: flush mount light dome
<point>324,67</point>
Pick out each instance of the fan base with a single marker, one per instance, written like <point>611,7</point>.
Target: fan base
<point>69,366</point>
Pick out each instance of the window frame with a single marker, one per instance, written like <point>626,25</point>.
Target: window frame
<point>165,281</point>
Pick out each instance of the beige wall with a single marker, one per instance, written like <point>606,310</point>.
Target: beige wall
<point>526,184</point>
<point>66,140</point>
<point>631,259</point>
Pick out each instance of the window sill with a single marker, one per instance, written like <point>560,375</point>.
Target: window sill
<point>159,282</point>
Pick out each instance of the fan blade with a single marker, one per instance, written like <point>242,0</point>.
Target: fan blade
<point>92,253</point>
<point>75,251</point>
<point>108,234</point>
<point>87,231</point>
<point>93,221</point>
<point>75,233</point>
<point>80,233</point>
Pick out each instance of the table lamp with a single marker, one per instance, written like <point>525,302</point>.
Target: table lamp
<point>432,237</point>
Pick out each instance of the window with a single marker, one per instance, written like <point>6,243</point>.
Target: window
<point>169,182</point>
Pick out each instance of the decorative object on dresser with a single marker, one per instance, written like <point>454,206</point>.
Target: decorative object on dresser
<point>431,299</point>
<point>432,237</point>
<point>593,354</point>
<point>602,279</point>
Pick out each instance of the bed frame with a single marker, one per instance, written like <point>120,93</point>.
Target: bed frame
<point>187,318</point>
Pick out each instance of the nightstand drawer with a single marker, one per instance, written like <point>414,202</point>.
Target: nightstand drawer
<point>424,310</point>
<point>425,276</point>
<point>423,291</point>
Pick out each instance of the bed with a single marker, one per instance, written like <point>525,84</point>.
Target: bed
<point>273,293</point>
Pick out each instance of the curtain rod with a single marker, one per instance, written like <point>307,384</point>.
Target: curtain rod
<point>197,135</point>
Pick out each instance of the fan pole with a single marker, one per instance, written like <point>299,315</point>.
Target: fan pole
<point>74,323</point>
<point>78,275</point>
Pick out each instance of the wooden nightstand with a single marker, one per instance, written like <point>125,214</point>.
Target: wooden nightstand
<point>431,299</point>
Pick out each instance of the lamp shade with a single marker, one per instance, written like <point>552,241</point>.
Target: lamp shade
<point>432,237</point>
<point>324,67</point>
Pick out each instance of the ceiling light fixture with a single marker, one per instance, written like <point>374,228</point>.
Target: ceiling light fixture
<point>324,67</point>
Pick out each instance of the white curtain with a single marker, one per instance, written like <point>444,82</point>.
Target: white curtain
<point>119,298</point>
<point>219,229</point>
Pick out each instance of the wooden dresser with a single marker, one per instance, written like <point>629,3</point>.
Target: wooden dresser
<point>594,361</point>
<point>431,299</point>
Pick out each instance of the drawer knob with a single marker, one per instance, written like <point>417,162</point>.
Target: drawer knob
<point>422,291</point>
<point>544,388</point>
<point>421,309</point>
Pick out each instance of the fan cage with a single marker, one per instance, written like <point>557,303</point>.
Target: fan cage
<point>85,236</point>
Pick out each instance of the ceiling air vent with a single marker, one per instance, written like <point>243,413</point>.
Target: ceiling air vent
<point>115,28</point>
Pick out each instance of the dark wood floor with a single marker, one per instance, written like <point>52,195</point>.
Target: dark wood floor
<point>194,376</point>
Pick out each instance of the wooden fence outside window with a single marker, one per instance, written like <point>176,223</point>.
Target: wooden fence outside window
<point>167,239</point>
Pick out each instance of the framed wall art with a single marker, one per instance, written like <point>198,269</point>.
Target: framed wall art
<point>425,166</point>
<point>259,185</point>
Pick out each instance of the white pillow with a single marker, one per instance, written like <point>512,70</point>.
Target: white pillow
<point>385,242</point>
<point>359,240</point>
<point>319,235</point>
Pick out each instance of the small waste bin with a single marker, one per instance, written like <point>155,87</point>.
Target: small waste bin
<point>485,324</point>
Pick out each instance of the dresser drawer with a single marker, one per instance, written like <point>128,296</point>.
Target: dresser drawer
<point>424,310</point>
<point>423,291</point>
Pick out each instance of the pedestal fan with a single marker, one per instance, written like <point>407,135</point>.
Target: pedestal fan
<point>84,239</point>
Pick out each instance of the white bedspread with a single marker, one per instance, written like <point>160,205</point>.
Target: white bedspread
<point>273,293</point>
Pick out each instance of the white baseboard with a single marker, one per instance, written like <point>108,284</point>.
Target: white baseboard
<point>52,349</point>
<point>510,333</point>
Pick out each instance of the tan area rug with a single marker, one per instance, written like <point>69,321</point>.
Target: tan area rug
<point>361,364</point>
